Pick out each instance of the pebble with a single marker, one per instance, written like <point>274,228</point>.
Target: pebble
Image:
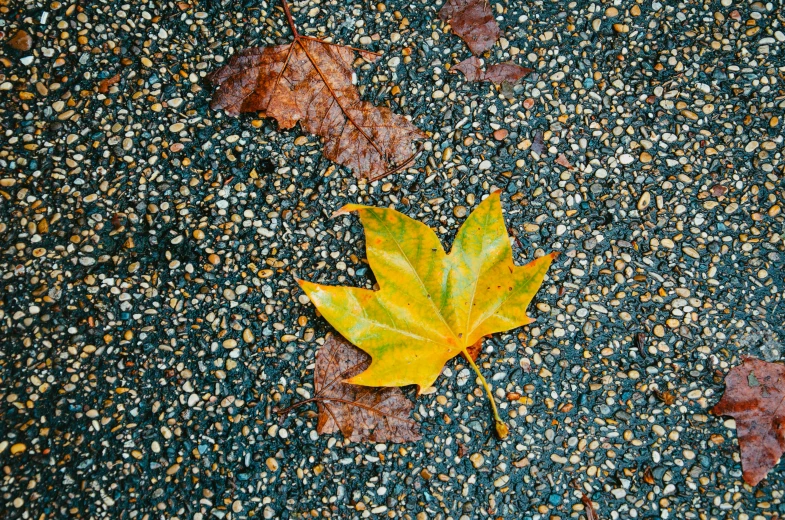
<point>644,201</point>
<point>18,448</point>
<point>477,460</point>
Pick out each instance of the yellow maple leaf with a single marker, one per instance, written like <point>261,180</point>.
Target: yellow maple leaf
<point>430,306</point>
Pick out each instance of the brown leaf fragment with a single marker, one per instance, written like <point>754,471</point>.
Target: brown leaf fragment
<point>21,41</point>
<point>471,68</point>
<point>754,396</point>
<point>562,160</point>
<point>591,513</point>
<point>538,143</point>
<point>103,86</point>
<point>473,22</point>
<point>475,349</point>
<point>361,413</point>
<point>509,72</point>
<point>497,74</point>
<point>309,81</point>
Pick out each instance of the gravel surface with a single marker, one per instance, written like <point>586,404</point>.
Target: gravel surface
<point>151,324</point>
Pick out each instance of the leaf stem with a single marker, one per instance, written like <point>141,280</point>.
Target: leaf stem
<point>289,19</point>
<point>501,428</point>
<point>296,405</point>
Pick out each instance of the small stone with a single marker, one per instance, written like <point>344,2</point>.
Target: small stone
<point>477,460</point>
<point>500,134</point>
<point>635,10</point>
<point>18,448</point>
<point>644,201</point>
<point>272,463</point>
<point>626,158</point>
<point>645,157</point>
<point>460,211</point>
<point>21,41</point>
<point>621,28</point>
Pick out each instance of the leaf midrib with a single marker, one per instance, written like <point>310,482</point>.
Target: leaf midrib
<point>417,276</point>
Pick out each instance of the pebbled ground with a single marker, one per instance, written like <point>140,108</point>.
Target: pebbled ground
<point>151,324</point>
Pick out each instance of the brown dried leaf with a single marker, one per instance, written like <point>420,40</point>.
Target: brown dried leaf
<point>361,413</point>
<point>471,68</point>
<point>563,161</point>
<point>310,81</point>
<point>473,22</point>
<point>591,513</point>
<point>103,86</point>
<point>754,395</point>
<point>538,143</point>
<point>497,74</point>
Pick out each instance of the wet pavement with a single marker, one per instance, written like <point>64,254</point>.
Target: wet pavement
<point>151,323</point>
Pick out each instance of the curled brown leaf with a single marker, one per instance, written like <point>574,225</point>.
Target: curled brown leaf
<point>473,22</point>
<point>754,396</point>
<point>361,413</point>
<point>497,74</point>
<point>309,81</point>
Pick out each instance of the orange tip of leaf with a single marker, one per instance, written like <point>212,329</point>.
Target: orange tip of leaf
<point>348,209</point>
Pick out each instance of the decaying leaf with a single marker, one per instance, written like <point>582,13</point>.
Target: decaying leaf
<point>105,84</point>
<point>309,81</point>
<point>497,74</point>
<point>754,396</point>
<point>361,413</point>
<point>473,22</point>
<point>563,161</point>
<point>430,306</point>
<point>538,143</point>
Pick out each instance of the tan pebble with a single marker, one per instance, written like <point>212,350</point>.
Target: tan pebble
<point>272,463</point>
<point>659,331</point>
<point>611,12</point>
<point>621,28</point>
<point>237,506</point>
<point>500,134</point>
<point>774,210</point>
<point>18,448</point>
<point>301,140</point>
<point>477,460</point>
<point>635,10</point>
<point>214,259</point>
<point>646,157</point>
<point>459,211</point>
<point>689,114</point>
<point>644,201</point>
<point>198,234</point>
<point>174,468</point>
<point>146,62</point>
<point>248,336</point>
